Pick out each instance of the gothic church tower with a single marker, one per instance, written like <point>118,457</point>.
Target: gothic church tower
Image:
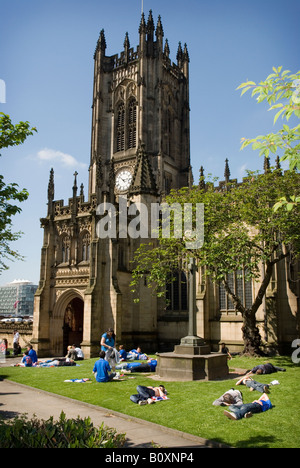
<point>140,149</point>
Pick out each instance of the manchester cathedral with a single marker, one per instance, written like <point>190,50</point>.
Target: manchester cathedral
<point>140,150</point>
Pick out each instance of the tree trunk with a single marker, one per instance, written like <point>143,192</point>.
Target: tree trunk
<point>251,335</point>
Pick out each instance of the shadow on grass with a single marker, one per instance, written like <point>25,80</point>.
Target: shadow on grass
<point>257,441</point>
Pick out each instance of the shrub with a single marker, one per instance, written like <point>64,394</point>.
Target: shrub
<point>22,432</point>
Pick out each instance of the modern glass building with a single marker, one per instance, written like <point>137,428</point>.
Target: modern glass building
<point>16,298</point>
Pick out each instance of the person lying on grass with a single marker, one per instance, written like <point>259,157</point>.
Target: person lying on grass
<point>231,397</point>
<point>145,394</point>
<point>253,385</point>
<point>237,412</point>
<point>267,368</point>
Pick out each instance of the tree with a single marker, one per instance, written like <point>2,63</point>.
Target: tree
<point>281,90</point>
<point>242,232</point>
<point>10,135</point>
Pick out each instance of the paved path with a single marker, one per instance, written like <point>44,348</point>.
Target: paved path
<point>17,399</point>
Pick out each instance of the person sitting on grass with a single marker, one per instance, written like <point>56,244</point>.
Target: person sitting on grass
<point>32,354</point>
<point>102,368</point>
<point>122,352</point>
<point>79,353</point>
<point>237,412</point>
<point>26,361</point>
<point>225,350</point>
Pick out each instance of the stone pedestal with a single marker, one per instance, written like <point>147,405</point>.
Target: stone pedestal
<point>192,345</point>
<point>188,367</point>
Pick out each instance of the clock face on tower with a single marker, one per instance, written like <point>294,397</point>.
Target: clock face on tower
<point>123,180</point>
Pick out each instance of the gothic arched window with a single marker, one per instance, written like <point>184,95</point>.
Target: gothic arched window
<point>132,123</point>
<point>126,124</point>
<point>120,128</point>
<point>177,292</point>
<point>242,288</point>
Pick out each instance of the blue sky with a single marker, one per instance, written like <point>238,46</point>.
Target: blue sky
<point>46,62</point>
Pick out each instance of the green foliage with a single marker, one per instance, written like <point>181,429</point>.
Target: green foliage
<point>242,231</point>
<point>10,135</point>
<point>64,433</point>
<point>281,90</point>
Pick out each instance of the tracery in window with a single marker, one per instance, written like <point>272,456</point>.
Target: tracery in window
<point>240,287</point>
<point>176,293</point>
<point>126,125</point>
<point>132,124</point>
<point>120,130</point>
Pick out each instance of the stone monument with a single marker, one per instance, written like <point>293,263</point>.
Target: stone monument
<point>192,358</point>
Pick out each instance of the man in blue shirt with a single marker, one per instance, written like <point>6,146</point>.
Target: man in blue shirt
<point>32,354</point>
<point>237,412</point>
<point>26,360</point>
<point>122,352</point>
<point>102,368</point>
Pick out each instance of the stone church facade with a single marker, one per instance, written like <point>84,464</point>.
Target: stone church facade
<point>140,149</point>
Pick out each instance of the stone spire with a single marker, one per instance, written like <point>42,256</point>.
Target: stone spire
<point>201,179</point>
<point>75,184</point>
<point>51,192</point>
<point>101,44</point>
<point>143,27</point>
<point>143,180</point>
<point>51,186</point>
<point>227,171</point>
<point>126,48</point>
<point>167,49</point>
<point>126,42</point>
<point>150,35</point>
<point>278,165</point>
<point>159,28</point>
<point>82,191</point>
<point>150,26</point>
<point>185,56</point>
<point>179,55</point>
<point>74,200</point>
<point>266,165</point>
<point>159,35</point>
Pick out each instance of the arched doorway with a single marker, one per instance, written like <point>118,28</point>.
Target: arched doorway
<point>73,324</point>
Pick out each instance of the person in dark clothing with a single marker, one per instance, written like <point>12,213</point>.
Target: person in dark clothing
<point>267,368</point>
<point>145,394</point>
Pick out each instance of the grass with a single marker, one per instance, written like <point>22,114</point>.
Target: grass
<point>189,408</point>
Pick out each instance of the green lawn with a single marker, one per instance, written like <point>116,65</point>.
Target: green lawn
<point>189,408</point>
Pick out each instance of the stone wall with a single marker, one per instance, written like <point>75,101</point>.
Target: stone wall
<point>24,329</point>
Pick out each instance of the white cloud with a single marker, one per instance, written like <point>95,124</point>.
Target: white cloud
<point>65,159</point>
